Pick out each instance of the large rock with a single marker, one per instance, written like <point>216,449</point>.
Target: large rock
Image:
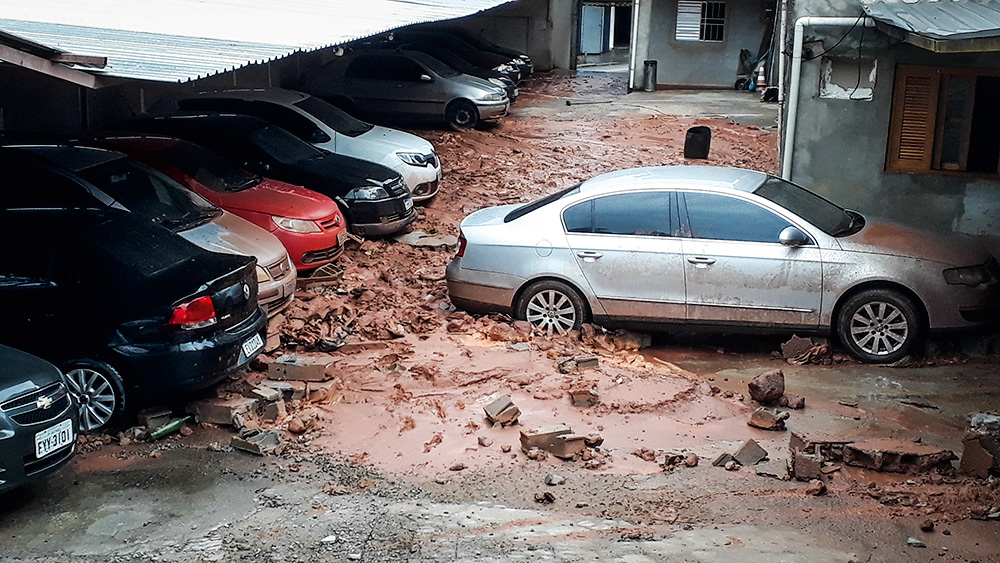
<point>767,387</point>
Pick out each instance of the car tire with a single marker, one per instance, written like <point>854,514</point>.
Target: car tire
<point>552,307</point>
<point>879,326</point>
<point>99,393</point>
<point>462,115</point>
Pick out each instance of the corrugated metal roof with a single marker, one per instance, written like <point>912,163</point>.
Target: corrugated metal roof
<point>180,40</point>
<point>938,19</point>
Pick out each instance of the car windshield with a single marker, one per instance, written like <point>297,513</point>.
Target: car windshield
<point>539,203</point>
<point>208,169</point>
<point>151,194</point>
<point>828,217</point>
<point>336,118</point>
<point>438,67</point>
<point>282,145</point>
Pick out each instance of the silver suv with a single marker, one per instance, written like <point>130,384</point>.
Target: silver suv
<point>401,84</point>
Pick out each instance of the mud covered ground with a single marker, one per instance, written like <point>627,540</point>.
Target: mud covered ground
<point>398,463</point>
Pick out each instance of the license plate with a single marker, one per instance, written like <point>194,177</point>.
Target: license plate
<point>51,439</point>
<point>252,344</point>
<point>342,238</point>
<point>517,92</point>
<point>408,203</point>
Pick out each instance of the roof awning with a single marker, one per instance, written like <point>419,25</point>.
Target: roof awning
<point>942,26</point>
<point>182,40</point>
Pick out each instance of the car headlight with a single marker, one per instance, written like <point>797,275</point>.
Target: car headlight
<point>498,82</point>
<point>262,274</point>
<point>367,192</point>
<point>296,225</point>
<point>505,68</point>
<point>413,158</point>
<point>968,275</point>
<point>525,58</point>
<point>494,97</point>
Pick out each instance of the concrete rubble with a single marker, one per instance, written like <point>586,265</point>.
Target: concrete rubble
<point>585,394</point>
<point>557,440</point>
<point>768,419</point>
<point>256,441</point>
<point>750,453</point>
<point>898,456</point>
<point>801,351</point>
<point>300,368</point>
<point>502,411</point>
<point>573,364</point>
<point>981,446</point>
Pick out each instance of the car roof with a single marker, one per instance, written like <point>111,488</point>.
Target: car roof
<point>138,141</point>
<point>714,177</point>
<point>68,157</point>
<point>237,122</point>
<point>277,95</point>
<point>418,55</point>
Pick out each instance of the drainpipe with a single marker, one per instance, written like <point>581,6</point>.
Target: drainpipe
<point>793,87</point>
<point>634,45</point>
<point>781,52</point>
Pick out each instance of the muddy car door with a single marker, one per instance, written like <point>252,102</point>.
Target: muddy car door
<point>626,246</point>
<point>737,270</point>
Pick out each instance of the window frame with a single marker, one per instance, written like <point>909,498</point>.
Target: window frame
<point>688,11</point>
<point>918,118</point>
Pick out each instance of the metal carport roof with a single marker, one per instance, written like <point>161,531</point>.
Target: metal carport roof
<point>180,40</point>
<point>939,25</point>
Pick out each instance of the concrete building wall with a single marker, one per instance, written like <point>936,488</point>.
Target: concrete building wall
<point>840,144</point>
<point>544,29</point>
<point>695,64</point>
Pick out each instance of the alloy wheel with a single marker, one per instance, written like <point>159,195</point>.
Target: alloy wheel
<point>551,311</point>
<point>95,396</point>
<point>879,328</point>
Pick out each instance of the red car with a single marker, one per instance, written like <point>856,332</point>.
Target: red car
<point>309,224</point>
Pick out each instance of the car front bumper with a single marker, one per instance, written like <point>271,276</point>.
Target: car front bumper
<point>492,110</point>
<point>423,181</point>
<point>163,369</point>
<point>381,217</point>
<point>18,464</point>
<point>275,295</point>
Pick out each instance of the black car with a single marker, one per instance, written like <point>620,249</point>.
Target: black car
<point>38,421</point>
<point>474,55</point>
<point>374,198</point>
<point>522,60</point>
<point>128,309</point>
<point>505,80</point>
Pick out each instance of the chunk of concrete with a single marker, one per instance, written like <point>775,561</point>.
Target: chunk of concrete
<point>221,411</point>
<point>750,453</point>
<point>806,467</point>
<point>792,401</point>
<point>768,419</point>
<point>154,418</point>
<point>267,394</point>
<point>290,390</point>
<point>319,391</point>
<point>767,387</point>
<point>586,362</point>
<point>830,448</point>
<point>257,441</point>
<point>723,459</point>
<point>897,456</point>
<point>568,446</point>
<point>585,395</point>
<point>544,438</point>
<point>502,411</point>
<point>300,368</point>
<point>273,410</point>
<point>980,455</point>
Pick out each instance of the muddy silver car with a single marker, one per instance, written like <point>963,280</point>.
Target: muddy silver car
<point>402,84</point>
<point>724,248</point>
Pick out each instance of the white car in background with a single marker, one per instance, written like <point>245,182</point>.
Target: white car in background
<point>330,128</point>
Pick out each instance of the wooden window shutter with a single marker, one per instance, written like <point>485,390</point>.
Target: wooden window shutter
<point>912,128</point>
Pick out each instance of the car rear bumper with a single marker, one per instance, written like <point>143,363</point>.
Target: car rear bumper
<point>171,368</point>
<point>18,464</point>
<point>481,292</point>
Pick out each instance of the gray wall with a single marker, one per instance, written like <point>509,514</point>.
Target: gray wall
<point>840,145</point>
<point>696,63</point>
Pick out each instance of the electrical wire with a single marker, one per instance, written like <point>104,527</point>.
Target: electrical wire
<point>839,41</point>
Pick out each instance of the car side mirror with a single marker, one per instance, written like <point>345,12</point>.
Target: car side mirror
<point>257,165</point>
<point>792,236</point>
<point>426,78</point>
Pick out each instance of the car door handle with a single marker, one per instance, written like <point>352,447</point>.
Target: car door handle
<point>701,261</point>
<point>590,256</point>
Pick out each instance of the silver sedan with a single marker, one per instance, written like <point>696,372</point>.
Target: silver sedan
<point>722,248</point>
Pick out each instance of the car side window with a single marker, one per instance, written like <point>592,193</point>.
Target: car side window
<point>638,213</point>
<point>29,187</point>
<point>384,68</point>
<point>720,217</point>
<point>288,119</point>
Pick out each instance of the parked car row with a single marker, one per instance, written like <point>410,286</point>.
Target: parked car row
<point>445,75</point>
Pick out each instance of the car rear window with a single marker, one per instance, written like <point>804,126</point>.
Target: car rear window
<point>336,118</point>
<point>539,203</point>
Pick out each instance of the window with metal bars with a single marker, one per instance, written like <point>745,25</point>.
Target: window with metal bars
<point>700,21</point>
<point>945,119</point>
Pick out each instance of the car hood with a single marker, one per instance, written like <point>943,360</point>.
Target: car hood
<point>476,82</point>
<point>272,197</point>
<point>230,234</point>
<point>381,140</point>
<point>23,373</point>
<point>880,236</point>
<point>335,174</point>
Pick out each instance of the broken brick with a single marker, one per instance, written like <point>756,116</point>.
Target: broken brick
<point>897,456</point>
<point>980,455</point>
<point>750,453</point>
<point>768,419</point>
<point>585,394</point>
<point>806,467</point>
<point>723,459</point>
<point>267,394</point>
<point>300,368</point>
<point>227,412</point>
<point>791,401</point>
<point>502,411</point>
<point>257,442</point>
<point>290,390</point>
<point>558,440</point>
<point>154,418</point>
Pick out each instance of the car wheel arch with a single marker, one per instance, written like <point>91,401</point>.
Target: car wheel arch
<point>588,313</point>
<point>876,284</point>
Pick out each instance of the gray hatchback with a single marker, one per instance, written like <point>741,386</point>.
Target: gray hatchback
<point>402,84</point>
<point>725,248</point>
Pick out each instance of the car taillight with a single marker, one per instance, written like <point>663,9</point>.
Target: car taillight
<point>462,242</point>
<point>194,314</point>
